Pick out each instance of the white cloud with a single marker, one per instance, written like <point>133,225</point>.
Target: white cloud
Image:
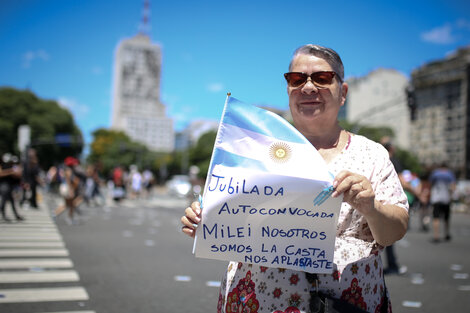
<point>30,56</point>
<point>78,110</point>
<point>448,33</point>
<point>439,35</point>
<point>215,87</point>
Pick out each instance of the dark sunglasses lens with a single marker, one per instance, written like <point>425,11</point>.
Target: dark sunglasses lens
<point>296,79</point>
<point>323,78</point>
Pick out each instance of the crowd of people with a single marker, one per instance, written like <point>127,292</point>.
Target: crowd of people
<point>72,182</point>
<point>18,180</point>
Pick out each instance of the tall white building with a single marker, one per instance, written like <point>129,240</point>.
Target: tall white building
<point>379,99</point>
<point>137,109</point>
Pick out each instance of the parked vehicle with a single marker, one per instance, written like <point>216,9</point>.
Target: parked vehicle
<point>179,185</point>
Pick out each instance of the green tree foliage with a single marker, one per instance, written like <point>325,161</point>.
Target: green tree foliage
<point>409,161</point>
<point>406,158</point>
<point>46,118</point>
<point>200,154</point>
<point>111,148</point>
<point>373,133</point>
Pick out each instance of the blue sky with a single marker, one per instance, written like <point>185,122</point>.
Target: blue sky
<point>64,49</point>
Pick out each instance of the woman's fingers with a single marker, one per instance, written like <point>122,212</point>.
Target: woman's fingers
<point>356,189</point>
<point>191,219</point>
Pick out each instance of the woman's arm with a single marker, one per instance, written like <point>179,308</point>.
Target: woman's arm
<point>387,222</point>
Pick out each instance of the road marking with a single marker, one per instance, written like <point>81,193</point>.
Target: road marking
<point>24,230</point>
<point>32,252</point>
<point>36,222</point>
<point>24,237</point>
<point>411,304</point>
<point>38,244</point>
<point>183,278</point>
<point>38,277</point>
<point>213,283</point>
<point>417,279</point>
<point>456,267</point>
<point>71,312</point>
<point>464,288</point>
<point>35,263</point>
<point>460,276</point>
<point>43,294</point>
<point>42,237</point>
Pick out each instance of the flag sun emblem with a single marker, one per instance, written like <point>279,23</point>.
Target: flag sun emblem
<point>280,152</point>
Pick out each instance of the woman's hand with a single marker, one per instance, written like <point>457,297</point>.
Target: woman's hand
<point>387,222</point>
<point>357,191</point>
<point>191,219</point>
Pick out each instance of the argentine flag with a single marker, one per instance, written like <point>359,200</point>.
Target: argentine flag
<point>253,138</point>
<point>267,195</point>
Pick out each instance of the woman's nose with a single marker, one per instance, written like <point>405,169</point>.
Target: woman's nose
<point>309,87</point>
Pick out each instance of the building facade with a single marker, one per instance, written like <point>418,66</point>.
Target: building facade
<point>137,109</point>
<point>439,100</point>
<point>379,100</point>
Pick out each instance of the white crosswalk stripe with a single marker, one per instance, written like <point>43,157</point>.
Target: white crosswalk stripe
<point>38,244</point>
<point>43,294</point>
<point>30,252</point>
<point>33,253</point>
<point>38,277</point>
<point>35,263</point>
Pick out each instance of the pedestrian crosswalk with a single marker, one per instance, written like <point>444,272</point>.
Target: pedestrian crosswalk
<point>35,268</point>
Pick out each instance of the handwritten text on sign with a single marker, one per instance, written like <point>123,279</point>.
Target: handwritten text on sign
<point>267,219</point>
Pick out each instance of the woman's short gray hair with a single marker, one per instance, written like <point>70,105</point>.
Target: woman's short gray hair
<point>329,55</point>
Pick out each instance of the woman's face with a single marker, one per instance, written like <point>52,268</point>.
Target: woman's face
<point>315,110</point>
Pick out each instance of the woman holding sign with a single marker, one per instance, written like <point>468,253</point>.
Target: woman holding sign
<point>374,212</point>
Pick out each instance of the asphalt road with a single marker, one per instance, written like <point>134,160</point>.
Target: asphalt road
<point>132,257</point>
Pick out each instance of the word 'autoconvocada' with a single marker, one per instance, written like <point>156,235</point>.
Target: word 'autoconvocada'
<point>248,209</point>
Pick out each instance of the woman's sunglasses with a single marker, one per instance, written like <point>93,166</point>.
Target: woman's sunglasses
<point>319,79</point>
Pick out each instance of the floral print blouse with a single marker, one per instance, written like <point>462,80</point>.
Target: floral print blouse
<point>358,272</point>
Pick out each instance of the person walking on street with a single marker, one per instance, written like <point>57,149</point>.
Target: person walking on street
<point>442,187</point>
<point>392,262</point>
<point>10,176</point>
<point>31,179</point>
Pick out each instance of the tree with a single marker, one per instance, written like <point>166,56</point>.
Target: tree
<point>111,148</point>
<point>200,154</point>
<point>406,158</point>
<point>373,133</point>
<point>46,118</point>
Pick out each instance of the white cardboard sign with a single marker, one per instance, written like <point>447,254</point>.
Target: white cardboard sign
<point>268,220</point>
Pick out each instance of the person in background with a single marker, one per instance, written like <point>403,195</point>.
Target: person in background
<point>31,179</point>
<point>10,177</point>
<point>118,191</point>
<point>424,196</point>
<point>135,182</point>
<point>71,189</point>
<point>442,187</point>
<point>374,212</point>
<point>148,180</point>
<point>392,262</point>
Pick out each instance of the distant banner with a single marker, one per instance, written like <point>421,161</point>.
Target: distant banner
<point>267,195</point>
